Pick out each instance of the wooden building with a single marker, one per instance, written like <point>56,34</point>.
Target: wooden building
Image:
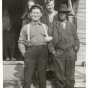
<point>12,75</point>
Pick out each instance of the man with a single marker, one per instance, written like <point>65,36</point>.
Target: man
<point>50,14</point>
<point>34,36</point>
<point>50,18</point>
<point>64,47</point>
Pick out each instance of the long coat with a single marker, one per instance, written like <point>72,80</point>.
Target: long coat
<point>64,38</point>
<point>66,44</point>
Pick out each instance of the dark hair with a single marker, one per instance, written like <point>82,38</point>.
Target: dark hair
<point>36,6</point>
<point>26,10</point>
<point>6,21</point>
<point>48,1</point>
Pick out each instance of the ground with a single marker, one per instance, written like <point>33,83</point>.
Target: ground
<point>13,75</point>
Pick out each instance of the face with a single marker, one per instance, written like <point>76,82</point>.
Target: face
<point>30,4</point>
<point>50,6</point>
<point>62,16</point>
<point>36,14</point>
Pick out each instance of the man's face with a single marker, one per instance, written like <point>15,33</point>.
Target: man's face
<point>50,6</point>
<point>62,16</point>
<point>30,4</point>
<point>36,14</point>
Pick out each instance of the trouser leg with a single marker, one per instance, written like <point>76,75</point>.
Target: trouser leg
<point>69,73</point>
<point>36,57</point>
<point>58,65</point>
<point>42,64</point>
<point>30,62</point>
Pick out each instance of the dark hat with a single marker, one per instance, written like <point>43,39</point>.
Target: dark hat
<point>63,8</point>
<point>36,6</point>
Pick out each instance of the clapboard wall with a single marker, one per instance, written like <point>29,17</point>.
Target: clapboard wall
<point>81,24</point>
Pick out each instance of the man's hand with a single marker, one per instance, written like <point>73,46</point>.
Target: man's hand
<point>27,43</point>
<point>54,53</point>
<point>57,53</point>
<point>23,54</point>
<point>76,48</point>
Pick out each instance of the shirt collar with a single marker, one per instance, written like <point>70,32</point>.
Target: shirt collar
<point>36,23</point>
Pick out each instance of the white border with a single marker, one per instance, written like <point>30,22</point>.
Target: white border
<point>1,63</point>
<point>86,43</point>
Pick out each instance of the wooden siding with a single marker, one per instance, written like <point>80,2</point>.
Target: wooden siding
<point>81,24</point>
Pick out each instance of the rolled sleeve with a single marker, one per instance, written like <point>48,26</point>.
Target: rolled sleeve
<point>22,39</point>
<point>23,35</point>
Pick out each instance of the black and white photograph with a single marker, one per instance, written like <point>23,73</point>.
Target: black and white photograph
<point>44,43</point>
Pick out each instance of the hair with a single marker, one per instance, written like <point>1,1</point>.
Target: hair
<point>47,1</point>
<point>30,1</point>
<point>6,21</point>
<point>25,14</point>
<point>36,6</point>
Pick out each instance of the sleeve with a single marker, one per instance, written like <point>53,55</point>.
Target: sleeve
<point>77,42</point>
<point>46,31</point>
<point>45,27</point>
<point>22,39</point>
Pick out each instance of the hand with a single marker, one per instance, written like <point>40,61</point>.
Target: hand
<point>48,38</point>
<point>27,43</point>
<point>76,48</point>
<point>57,53</point>
<point>23,54</point>
<point>54,53</point>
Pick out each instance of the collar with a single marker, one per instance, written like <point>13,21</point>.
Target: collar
<point>62,22</point>
<point>36,23</point>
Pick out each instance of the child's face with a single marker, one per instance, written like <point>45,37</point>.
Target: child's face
<point>50,6</point>
<point>30,4</point>
<point>36,14</point>
<point>62,16</point>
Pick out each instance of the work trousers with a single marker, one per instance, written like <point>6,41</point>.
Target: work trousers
<point>64,67</point>
<point>35,58</point>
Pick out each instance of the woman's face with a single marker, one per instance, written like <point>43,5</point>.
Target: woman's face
<point>30,4</point>
<point>50,6</point>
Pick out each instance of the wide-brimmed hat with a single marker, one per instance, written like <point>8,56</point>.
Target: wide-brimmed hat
<point>63,9</point>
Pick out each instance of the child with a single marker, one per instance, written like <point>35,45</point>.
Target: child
<point>34,36</point>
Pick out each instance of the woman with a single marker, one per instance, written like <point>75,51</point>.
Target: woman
<point>25,18</point>
<point>8,37</point>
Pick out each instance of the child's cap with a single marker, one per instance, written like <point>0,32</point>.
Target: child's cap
<point>48,1</point>
<point>36,6</point>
